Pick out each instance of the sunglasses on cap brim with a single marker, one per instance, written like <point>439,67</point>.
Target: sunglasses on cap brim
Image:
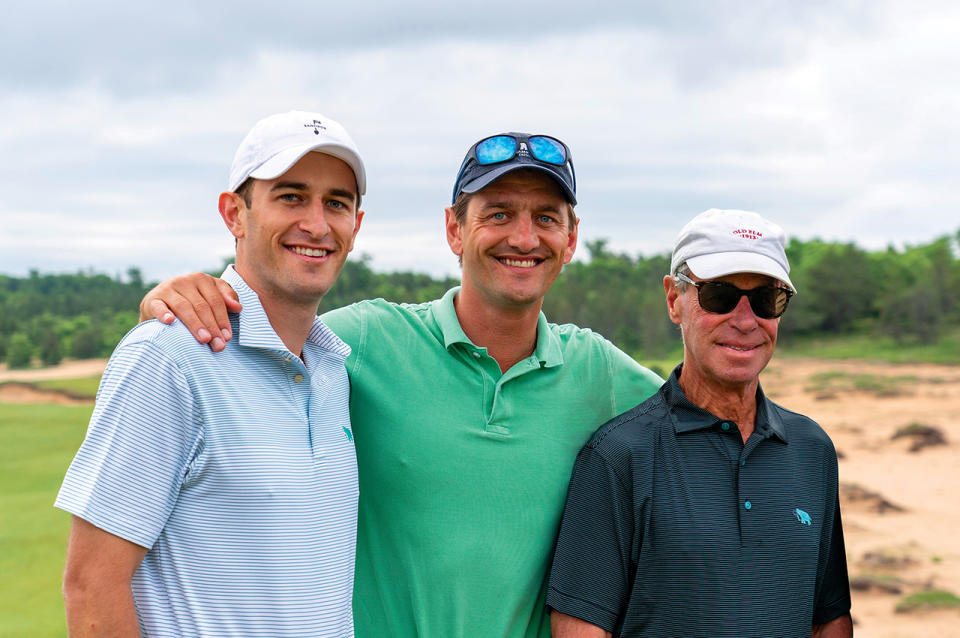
<point>720,297</point>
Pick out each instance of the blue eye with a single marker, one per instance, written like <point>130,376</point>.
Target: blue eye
<point>547,150</point>
<point>496,149</point>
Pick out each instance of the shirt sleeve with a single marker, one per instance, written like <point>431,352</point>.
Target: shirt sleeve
<point>632,383</point>
<point>833,586</point>
<point>349,324</point>
<point>126,477</point>
<point>590,577</point>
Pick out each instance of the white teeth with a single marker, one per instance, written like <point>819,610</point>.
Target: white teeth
<point>309,252</point>
<point>519,263</point>
<point>739,349</point>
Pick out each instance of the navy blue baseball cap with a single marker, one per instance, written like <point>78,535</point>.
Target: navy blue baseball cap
<point>495,156</point>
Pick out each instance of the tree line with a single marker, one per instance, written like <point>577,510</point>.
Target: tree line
<point>910,294</point>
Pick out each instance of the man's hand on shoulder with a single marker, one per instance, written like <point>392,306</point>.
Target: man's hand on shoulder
<point>200,301</point>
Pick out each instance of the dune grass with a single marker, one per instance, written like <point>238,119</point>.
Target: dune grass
<point>946,350</point>
<point>928,600</point>
<point>39,440</point>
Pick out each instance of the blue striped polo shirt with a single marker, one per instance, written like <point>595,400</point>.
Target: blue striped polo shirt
<point>236,470</point>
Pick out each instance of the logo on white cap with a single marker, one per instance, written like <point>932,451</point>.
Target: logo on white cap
<point>747,233</point>
<point>317,126</point>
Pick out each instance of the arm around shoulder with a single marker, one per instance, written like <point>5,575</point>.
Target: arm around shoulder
<point>96,583</point>
<point>632,383</point>
<point>200,301</point>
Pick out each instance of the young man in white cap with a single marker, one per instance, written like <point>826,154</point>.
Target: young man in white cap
<point>217,495</point>
<point>708,510</point>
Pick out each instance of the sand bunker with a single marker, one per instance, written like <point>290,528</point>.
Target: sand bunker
<point>14,392</point>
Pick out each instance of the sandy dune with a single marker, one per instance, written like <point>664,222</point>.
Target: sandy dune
<point>889,550</point>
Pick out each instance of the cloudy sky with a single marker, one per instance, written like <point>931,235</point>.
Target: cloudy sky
<point>839,119</point>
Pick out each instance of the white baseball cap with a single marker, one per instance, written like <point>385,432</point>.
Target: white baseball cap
<point>723,242</point>
<point>277,142</point>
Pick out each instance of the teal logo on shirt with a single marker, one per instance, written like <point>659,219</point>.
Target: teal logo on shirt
<point>349,434</point>
<point>802,517</point>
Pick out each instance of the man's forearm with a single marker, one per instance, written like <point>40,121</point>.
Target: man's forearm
<point>94,612</point>
<point>96,583</point>
<point>564,626</point>
<point>841,627</point>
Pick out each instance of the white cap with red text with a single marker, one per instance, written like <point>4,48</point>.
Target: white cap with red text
<point>277,142</point>
<point>723,242</point>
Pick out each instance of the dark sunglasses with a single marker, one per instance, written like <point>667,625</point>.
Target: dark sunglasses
<point>719,297</point>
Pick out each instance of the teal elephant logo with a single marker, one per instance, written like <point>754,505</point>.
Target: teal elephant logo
<point>802,517</point>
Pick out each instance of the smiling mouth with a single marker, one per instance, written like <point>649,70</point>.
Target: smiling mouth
<point>309,252</point>
<point>519,263</point>
<point>739,348</point>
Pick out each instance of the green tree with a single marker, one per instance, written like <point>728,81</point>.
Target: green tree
<point>19,352</point>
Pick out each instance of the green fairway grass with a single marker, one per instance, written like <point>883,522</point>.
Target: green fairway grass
<point>39,440</point>
<point>83,387</point>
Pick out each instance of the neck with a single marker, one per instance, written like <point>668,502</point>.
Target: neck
<point>509,335</point>
<point>291,319</point>
<point>735,402</point>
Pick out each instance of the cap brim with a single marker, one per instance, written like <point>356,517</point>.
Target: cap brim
<point>729,263</point>
<point>487,178</point>
<point>285,159</point>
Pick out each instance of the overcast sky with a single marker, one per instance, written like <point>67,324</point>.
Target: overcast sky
<point>118,123</point>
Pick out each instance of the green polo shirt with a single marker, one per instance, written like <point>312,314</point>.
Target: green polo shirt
<point>464,469</point>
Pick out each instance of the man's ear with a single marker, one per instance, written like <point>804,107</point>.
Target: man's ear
<point>356,229</point>
<point>572,241</point>
<point>454,231</point>
<point>233,210</point>
<point>674,299</point>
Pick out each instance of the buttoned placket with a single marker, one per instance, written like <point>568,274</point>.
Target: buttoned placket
<point>747,505</point>
<point>303,386</point>
<point>494,382</point>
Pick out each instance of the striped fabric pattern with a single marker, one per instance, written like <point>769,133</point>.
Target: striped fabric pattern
<point>676,527</point>
<point>236,470</point>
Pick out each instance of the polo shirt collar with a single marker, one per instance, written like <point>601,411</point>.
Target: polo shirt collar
<point>689,417</point>
<point>547,351</point>
<point>255,330</point>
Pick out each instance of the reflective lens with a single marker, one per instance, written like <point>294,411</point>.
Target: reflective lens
<point>547,149</point>
<point>496,149</point>
<point>719,297</point>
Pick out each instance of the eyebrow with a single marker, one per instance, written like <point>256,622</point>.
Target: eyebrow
<point>300,186</point>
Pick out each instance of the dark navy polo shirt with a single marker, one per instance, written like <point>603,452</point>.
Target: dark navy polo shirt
<point>675,527</point>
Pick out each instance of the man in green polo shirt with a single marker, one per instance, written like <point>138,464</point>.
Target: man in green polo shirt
<point>468,411</point>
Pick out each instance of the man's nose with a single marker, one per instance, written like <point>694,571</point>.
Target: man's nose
<point>742,315</point>
<point>523,235</point>
<point>315,221</point>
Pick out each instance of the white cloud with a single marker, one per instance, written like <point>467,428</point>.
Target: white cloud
<point>838,121</point>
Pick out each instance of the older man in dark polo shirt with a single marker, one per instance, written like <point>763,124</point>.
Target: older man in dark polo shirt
<point>708,510</point>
